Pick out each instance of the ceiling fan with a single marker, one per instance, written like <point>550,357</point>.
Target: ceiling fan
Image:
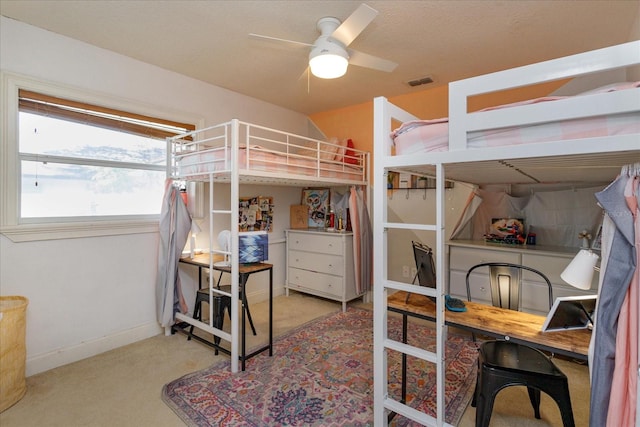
<point>329,56</point>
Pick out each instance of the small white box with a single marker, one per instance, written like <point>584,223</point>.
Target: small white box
<point>405,180</point>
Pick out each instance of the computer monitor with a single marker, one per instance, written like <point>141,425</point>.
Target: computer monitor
<point>575,312</point>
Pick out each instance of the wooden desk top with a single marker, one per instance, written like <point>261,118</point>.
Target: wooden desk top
<point>499,322</point>
<point>202,260</point>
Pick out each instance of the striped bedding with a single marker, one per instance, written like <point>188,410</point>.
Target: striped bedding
<point>421,136</point>
<point>261,160</point>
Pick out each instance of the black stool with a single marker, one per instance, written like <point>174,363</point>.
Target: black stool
<point>227,289</point>
<point>220,303</point>
<point>503,364</point>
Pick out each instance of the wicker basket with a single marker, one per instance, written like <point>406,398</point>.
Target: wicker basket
<point>12,350</point>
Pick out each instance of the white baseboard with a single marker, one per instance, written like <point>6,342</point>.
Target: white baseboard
<point>64,356</point>
<point>263,294</point>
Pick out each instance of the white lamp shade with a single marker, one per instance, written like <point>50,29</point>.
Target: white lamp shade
<point>328,61</point>
<point>579,272</point>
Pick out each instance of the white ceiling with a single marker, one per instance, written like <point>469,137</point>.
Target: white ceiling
<point>448,40</point>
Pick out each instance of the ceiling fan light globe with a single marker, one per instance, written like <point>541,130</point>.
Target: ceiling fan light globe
<point>329,65</point>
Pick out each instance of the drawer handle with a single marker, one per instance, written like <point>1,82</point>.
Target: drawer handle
<point>483,289</point>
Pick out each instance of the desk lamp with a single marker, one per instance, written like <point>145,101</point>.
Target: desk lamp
<point>579,272</point>
<point>195,229</point>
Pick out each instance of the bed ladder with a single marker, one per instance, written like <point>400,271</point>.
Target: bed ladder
<point>227,219</point>
<point>382,344</point>
<point>224,219</point>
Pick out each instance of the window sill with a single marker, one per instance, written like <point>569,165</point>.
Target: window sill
<point>38,232</point>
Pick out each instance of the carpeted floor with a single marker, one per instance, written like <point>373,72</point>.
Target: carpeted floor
<point>321,374</point>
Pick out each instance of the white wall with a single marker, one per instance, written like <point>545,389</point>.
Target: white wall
<point>419,207</point>
<point>89,295</point>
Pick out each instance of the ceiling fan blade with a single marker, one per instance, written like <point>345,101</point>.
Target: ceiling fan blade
<point>276,39</point>
<point>369,61</point>
<point>354,24</point>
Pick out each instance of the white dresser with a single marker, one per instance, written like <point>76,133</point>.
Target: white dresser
<point>321,263</point>
<point>549,260</point>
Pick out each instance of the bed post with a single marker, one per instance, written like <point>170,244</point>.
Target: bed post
<point>380,151</point>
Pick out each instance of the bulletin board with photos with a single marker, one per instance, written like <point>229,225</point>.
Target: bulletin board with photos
<point>256,214</point>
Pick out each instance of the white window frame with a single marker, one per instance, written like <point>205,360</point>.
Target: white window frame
<point>54,228</point>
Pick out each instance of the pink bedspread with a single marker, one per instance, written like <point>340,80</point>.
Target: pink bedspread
<point>421,136</point>
<point>259,160</point>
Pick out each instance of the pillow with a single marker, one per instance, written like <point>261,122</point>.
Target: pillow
<point>328,151</point>
<point>349,154</point>
<point>341,150</point>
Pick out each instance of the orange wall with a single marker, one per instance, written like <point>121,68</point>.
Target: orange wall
<point>356,121</point>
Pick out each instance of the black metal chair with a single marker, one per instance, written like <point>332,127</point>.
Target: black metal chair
<point>504,363</point>
<point>220,304</point>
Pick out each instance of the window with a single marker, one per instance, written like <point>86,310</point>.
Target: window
<point>71,168</point>
<point>79,160</point>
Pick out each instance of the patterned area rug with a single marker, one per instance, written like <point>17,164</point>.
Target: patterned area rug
<point>321,374</point>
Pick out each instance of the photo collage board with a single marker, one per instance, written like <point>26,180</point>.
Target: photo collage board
<point>256,214</point>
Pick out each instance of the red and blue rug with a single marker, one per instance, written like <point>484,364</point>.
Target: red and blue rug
<point>321,374</point>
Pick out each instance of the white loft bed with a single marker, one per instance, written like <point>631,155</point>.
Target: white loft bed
<point>463,158</point>
<point>237,152</point>
<point>263,155</point>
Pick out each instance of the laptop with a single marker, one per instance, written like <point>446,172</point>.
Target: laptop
<point>574,312</point>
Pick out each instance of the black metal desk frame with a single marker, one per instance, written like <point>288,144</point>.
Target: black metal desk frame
<point>246,270</point>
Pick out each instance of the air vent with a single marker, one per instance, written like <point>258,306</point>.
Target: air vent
<point>421,81</point>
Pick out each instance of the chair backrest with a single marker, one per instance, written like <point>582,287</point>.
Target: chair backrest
<point>506,283</point>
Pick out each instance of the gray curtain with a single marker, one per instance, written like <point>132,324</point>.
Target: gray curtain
<point>175,224</point>
<point>620,266</point>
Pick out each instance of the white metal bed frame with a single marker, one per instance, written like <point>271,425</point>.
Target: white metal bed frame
<point>226,139</point>
<point>460,124</point>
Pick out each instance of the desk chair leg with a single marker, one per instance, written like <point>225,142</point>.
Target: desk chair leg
<point>245,303</point>
<point>246,307</point>
<point>218,321</point>
<point>196,315</point>
<point>253,328</point>
<point>534,396</point>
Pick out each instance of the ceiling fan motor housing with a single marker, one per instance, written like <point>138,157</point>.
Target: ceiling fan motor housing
<point>328,58</point>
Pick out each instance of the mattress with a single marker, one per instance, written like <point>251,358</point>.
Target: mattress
<point>421,136</point>
<point>258,160</point>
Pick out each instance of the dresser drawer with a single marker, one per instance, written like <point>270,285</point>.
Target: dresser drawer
<point>535,298</point>
<point>478,284</point>
<point>323,243</point>
<point>323,263</point>
<point>550,266</point>
<point>465,258</point>
<point>320,283</point>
